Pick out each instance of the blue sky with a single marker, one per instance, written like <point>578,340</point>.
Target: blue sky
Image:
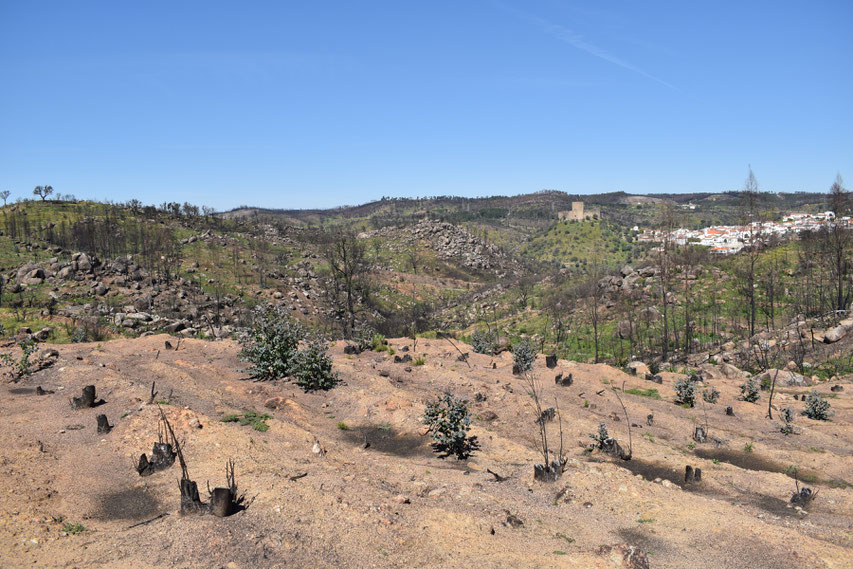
<point>325,103</point>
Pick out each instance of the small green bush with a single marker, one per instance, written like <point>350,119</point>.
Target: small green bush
<point>817,407</point>
<point>711,396</point>
<point>418,361</point>
<point>270,343</point>
<point>654,367</point>
<point>312,367</point>
<point>484,342</point>
<point>449,421</point>
<point>685,392</point>
<point>750,391</point>
<point>523,355</point>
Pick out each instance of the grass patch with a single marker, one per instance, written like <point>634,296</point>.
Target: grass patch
<point>748,447</point>
<point>258,422</point>
<point>645,520</point>
<point>650,393</point>
<point>343,426</point>
<point>418,361</point>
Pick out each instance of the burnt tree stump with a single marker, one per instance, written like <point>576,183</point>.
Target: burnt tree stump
<point>103,425</point>
<point>699,435</point>
<point>86,400</point>
<point>551,361</point>
<point>190,501</point>
<point>688,474</point>
<point>547,473</point>
<point>162,457</point>
<point>730,412</point>
<point>563,381</point>
<point>221,500</point>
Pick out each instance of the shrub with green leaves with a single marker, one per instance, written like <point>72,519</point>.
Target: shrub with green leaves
<point>750,391</point>
<point>270,342</point>
<point>523,355</point>
<point>654,367</point>
<point>685,392</point>
<point>711,395</point>
<point>449,421</point>
<point>817,407</point>
<point>312,367</point>
<point>484,342</point>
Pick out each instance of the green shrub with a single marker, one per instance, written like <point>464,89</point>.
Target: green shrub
<point>484,342</point>
<point>258,422</point>
<point>750,391</point>
<point>654,367</point>
<point>23,365</point>
<point>817,407</point>
<point>685,391</point>
<point>312,367</point>
<point>270,343</point>
<point>711,396</point>
<point>449,421</point>
<point>523,355</point>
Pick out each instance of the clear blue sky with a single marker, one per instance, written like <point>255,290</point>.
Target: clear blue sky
<point>324,103</point>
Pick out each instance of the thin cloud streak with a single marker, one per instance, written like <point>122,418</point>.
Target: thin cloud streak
<point>577,41</point>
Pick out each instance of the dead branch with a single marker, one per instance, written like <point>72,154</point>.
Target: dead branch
<point>628,421</point>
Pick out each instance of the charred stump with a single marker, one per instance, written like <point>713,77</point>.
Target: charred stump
<point>190,501</point>
<point>730,412</point>
<point>548,473</point>
<point>551,361</point>
<point>563,381</point>
<point>86,400</point>
<point>103,424</point>
<point>700,435</point>
<point>692,474</point>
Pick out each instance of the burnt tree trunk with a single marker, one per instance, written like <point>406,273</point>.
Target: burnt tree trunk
<point>190,502</point>
<point>86,400</point>
<point>221,501</point>
<point>103,425</point>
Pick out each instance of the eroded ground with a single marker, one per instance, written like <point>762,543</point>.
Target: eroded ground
<point>396,503</point>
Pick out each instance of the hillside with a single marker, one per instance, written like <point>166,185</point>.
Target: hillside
<point>377,495</point>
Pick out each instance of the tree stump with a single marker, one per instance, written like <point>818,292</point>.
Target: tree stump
<point>551,361</point>
<point>699,435</point>
<point>190,501</point>
<point>162,457</point>
<point>650,419</point>
<point>103,425</point>
<point>86,400</point>
<point>547,473</point>
<point>221,500</point>
<point>563,381</point>
<point>730,412</point>
<point>688,474</point>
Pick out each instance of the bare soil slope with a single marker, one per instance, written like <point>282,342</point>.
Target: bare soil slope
<point>396,503</point>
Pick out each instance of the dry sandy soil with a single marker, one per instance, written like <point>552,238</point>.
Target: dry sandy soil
<point>397,503</point>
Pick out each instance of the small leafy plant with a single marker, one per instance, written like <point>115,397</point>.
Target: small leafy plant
<point>523,355</point>
<point>312,367</point>
<point>711,395</point>
<point>270,343</point>
<point>685,392</point>
<point>750,391</point>
<point>484,342</point>
<point>73,529</point>
<point>817,407</point>
<point>449,421</point>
